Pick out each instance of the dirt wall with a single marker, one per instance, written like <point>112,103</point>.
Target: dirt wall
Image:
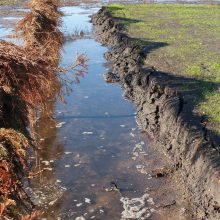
<point>165,113</point>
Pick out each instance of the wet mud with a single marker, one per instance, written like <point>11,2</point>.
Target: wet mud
<point>165,114</point>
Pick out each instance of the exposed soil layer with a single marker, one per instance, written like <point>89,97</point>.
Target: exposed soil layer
<point>164,112</point>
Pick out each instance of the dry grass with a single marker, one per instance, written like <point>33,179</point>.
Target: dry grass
<point>39,28</point>
<point>29,77</point>
<point>26,73</point>
<point>13,164</point>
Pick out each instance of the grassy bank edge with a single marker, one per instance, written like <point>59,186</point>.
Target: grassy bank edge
<point>188,42</point>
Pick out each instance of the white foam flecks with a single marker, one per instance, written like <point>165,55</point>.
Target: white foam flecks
<point>80,218</point>
<point>138,150</point>
<point>87,132</point>
<point>45,162</point>
<point>87,200</point>
<point>67,166</point>
<point>151,201</point>
<point>141,169</point>
<point>132,135</point>
<point>59,125</point>
<point>67,152</point>
<point>48,168</point>
<point>78,205</point>
<point>136,208</point>
<point>52,202</point>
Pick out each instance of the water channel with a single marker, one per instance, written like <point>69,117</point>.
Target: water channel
<point>97,163</point>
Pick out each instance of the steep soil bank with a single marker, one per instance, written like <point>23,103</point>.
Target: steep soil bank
<point>164,111</point>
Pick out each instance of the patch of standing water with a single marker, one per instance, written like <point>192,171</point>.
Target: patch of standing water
<point>76,20</point>
<point>87,147</point>
<point>6,29</point>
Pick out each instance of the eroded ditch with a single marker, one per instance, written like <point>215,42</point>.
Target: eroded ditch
<point>98,164</point>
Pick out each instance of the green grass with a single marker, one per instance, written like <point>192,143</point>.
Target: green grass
<point>188,39</point>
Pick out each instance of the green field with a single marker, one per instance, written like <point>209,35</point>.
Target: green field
<point>183,39</point>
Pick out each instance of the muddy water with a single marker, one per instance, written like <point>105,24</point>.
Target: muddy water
<point>97,164</point>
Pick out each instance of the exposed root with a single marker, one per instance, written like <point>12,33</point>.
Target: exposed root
<point>26,74</point>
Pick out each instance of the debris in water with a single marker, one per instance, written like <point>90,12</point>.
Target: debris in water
<point>46,163</point>
<point>114,187</point>
<point>87,200</point>
<point>138,150</point>
<point>136,208</point>
<point>122,126</point>
<point>132,135</point>
<point>67,166</point>
<point>67,152</point>
<point>76,165</point>
<point>141,169</point>
<point>111,77</point>
<point>80,218</point>
<point>59,181</point>
<point>78,205</point>
<point>59,125</point>
<point>48,168</point>
<point>87,132</point>
<point>52,202</point>
<point>151,201</point>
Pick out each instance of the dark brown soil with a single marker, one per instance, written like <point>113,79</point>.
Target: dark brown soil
<point>164,112</point>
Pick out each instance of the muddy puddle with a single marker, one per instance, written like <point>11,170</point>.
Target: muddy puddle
<point>97,163</point>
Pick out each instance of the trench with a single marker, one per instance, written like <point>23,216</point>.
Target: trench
<point>97,163</point>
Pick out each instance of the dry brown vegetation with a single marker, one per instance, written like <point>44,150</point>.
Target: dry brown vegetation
<point>40,29</point>
<point>28,75</point>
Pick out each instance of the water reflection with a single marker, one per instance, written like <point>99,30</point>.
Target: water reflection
<point>91,145</point>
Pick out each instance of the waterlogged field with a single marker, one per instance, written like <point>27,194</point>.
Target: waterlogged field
<point>181,39</point>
